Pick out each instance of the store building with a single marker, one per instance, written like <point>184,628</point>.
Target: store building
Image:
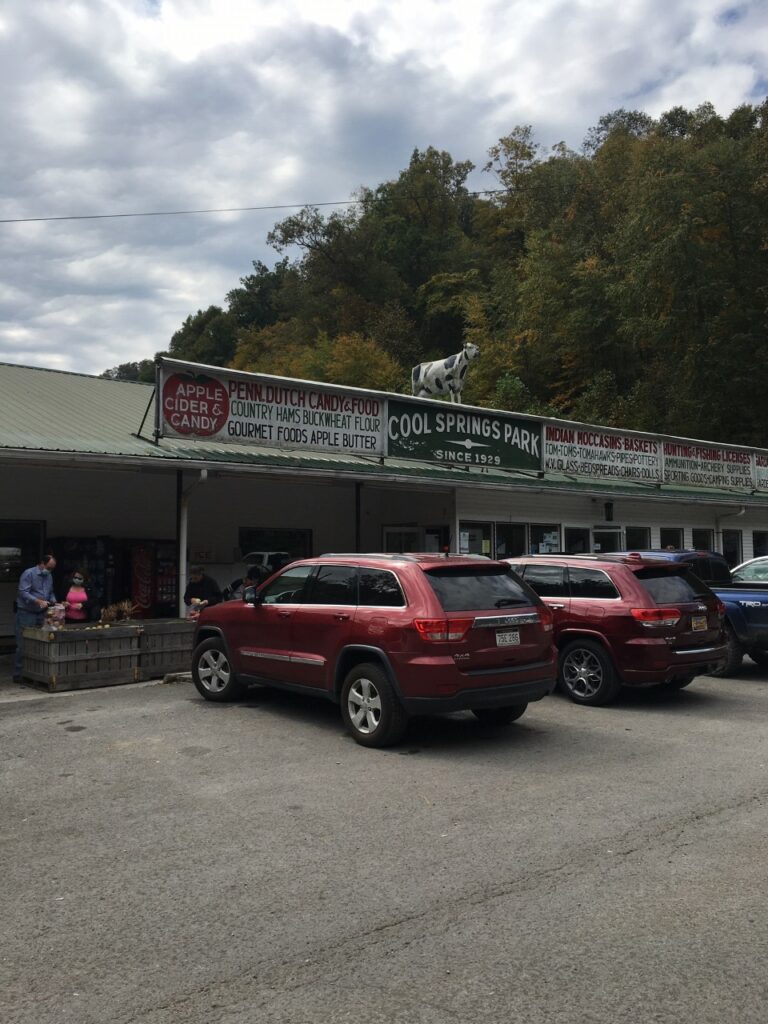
<point>133,488</point>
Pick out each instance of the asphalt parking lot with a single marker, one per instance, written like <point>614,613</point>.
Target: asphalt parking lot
<point>169,860</point>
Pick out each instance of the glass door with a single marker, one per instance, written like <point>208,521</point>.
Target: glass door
<point>576,540</point>
<point>510,540</point>
<point>606,540</point>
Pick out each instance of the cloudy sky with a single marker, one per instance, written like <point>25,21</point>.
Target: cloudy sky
<point>127,106</point>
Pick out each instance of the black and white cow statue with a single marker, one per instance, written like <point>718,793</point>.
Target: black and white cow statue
<point>444,376</point>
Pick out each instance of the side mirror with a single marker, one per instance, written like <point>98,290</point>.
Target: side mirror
<point>251,596</point>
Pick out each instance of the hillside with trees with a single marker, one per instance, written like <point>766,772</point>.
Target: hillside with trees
<point>626,284</point>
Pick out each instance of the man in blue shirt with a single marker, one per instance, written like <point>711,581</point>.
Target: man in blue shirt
<point>34,596</point>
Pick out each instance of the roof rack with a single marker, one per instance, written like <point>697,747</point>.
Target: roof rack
<point>412,556</point>
<point>366,554</point>
<point>609,556</point>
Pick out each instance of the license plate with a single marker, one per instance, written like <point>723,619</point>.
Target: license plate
<point>699,622</point>
<point>507,638</point>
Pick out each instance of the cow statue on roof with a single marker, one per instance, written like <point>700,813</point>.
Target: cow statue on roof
<point>443,376</point>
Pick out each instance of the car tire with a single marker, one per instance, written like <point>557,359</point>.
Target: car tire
<point>735,651</point>
<point>499,716</point>
<point>370,708</point>
<point>760,656</point>
<point>212,672</point>
<point>587,674</point>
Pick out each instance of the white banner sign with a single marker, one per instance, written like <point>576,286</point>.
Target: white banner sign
<point>595,453</point>
<point>704,465</point>
<point>761,471</point>
<point>247,409</point>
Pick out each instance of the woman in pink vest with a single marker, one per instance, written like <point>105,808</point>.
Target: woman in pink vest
<point>78,601</point>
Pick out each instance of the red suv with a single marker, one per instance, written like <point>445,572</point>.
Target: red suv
<point>384,636</point>
<point>626,620</point>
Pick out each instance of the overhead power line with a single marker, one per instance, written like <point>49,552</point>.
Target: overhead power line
<point>224,209</point>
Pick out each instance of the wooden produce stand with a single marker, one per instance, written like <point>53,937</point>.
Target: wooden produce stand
<point>75,657</point>
<point>80,657</point>
<point>165,647</point>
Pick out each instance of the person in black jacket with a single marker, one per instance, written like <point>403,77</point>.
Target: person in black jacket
<point>202,591</point>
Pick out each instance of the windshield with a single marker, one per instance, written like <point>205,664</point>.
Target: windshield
<point>477,588</point>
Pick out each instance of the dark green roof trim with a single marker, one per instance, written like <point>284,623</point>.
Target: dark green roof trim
<point>34,405</point>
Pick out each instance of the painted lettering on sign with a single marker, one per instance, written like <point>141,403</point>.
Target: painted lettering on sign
<point>227,407</point>
<point>703,465</point>
<point>194,405</point>
<point>468,438</point>
<point>591,452</point>
<point>760,463</point>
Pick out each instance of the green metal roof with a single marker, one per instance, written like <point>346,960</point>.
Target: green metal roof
<point>57,413</point>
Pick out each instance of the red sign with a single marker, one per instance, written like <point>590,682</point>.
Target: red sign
<point>195,404</point>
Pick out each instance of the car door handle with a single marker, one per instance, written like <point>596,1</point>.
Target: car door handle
<point>284,614</point>
<point>341,617</point>
<point>558,606</point>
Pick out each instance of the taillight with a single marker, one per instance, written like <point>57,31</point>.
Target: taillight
<point>436,630</point>
<point>547,618</point>
<point>720,608</point>
<point>657,616</point>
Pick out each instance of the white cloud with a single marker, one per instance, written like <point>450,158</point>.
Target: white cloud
<point>130,105</point>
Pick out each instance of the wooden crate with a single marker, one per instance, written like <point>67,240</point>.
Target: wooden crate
<point>75,658</point>
<point>166,646</point>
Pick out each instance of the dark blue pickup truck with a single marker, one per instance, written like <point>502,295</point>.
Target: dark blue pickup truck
<point>746,605</point>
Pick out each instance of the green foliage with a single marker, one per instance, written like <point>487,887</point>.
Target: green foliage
<point>207,337</point>
<point>622,285</point>
<point>143,370</point>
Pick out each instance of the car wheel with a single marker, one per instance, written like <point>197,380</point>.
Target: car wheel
<point>371,711</point>
<point>212,673</point>
<point>760,656</point>
<point>499,716</point>
<point>586,673</point>
<point>734,654</point>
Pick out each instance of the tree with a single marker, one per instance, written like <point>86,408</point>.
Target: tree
<point>143,370</point>
<point>207,337</point>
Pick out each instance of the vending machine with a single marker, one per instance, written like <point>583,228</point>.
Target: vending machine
<point>153,579</point>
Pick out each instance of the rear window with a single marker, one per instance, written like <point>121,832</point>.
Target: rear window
<point>672,587</point>
<point>477,588</point>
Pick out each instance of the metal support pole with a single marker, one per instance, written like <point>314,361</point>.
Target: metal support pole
<point>358,518</point>
<point>183,514</point>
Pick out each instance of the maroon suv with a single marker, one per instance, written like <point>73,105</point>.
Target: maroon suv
<point>385,636</point>
<point>626,619</point>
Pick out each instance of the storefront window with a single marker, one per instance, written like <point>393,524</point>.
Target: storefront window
<point>759,543</point>
<point>475,538</point>
<point>671,537</point>
<point>703,540</point>
<point>545,538</point>
<point>638,538</point>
